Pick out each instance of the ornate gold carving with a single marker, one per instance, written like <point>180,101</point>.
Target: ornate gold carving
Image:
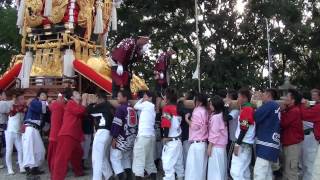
<point>34,15</point>
<point>47,62</point>
<point>85,16</point>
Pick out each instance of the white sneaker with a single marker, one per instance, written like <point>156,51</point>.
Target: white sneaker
<point>10,173</point>
<point>22,170</point>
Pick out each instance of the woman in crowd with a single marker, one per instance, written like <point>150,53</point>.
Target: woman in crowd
<point>218,140</point>
<point>198,136</point>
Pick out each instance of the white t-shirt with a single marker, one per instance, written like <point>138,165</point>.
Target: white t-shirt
<point>14,123</point>
<point>233,124</point>
<point>5,107</point>
<point>147,118</point>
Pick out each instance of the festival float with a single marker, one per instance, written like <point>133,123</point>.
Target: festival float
<point>64,45</point>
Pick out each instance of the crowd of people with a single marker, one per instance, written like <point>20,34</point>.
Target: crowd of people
<point>194,137</point>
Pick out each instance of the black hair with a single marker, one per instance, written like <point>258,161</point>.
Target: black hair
<point>102,95</point>
<point>190,95</point>
<point>152,95</point>
<point>124,93</point>
<point>40,91</point>
<point>273,93</point>
<point>246,93</point>
<point>222,93</point>
<point>171,96</point>
<point>296,95</point>
<point>202,98</point>
<point>219,107</point>
<point>233,95</point>
<point>19,92</point>
<point>67,93</point>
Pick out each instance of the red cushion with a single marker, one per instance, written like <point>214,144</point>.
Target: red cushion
<point>96,78</point>
<point>10,76</point>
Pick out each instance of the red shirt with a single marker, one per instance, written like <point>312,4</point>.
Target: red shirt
<point>291,126</point>
<point>56,109</point>
<point>312,114</point>
<point>72,120</point>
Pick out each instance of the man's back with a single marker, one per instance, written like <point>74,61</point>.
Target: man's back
<point>72,120</point>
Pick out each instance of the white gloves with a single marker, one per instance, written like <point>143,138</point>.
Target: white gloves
<point>120,70</point>
<point>161,75</point>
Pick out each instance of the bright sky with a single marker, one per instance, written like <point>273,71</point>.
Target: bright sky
<point>240,6</point>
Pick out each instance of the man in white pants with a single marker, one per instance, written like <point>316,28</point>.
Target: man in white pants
<point>143,151</point>
<point>267,119</point>
<point>245,134</point>
<point>172,152</point>
<point>5,106</point>
<point>101,113</point>
<point>13,134</point>
<point>124,132</point>
<point>32,144</point>
<point>309,144</point>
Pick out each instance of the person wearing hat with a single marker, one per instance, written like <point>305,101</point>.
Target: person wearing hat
<point>57,109</point>
<point>127,52</point>
<point>102,114</point>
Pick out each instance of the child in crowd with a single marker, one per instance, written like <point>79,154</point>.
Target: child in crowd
<point>218,140</point>
<point>197,158</point>
<point>172,157</point>
<point>124,132</point>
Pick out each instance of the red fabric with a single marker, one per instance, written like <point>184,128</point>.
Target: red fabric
<point>52,148</point>
<point>57,109</point>
<point>68,149</point>
<point>291,126</point>
<point>10,76</point>
<point>168,110</point>
<point>17,108</point>
<point>123,52</point>
<point>75,13</point>
<point>46,21</point>
<point>122,80</point>
<point>162,66</point>
<point>313,115</point>
<point>72,121</point>
<point>246,117</point>
<point>89,73</point>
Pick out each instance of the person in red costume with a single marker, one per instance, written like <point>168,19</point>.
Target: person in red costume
<point>161,70</point>
<point>57,109</point>
<point>69,139</point>
<point>127,52</point>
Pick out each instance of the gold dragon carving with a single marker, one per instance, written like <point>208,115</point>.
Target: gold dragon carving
<point>34,9</point>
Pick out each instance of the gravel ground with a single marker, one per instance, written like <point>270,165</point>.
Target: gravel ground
<point>46,176</point>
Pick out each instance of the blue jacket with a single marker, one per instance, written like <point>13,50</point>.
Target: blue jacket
<point>267,119</point>
<point>34,110</point>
